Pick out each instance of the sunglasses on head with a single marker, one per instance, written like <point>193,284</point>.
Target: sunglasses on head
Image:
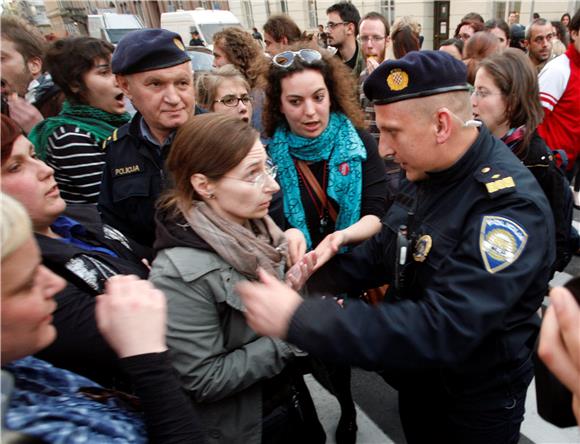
<point>286,59</point>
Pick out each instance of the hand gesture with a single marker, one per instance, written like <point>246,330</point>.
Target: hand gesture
<point>131,316</point>
<point>23,113</point>
<point>296,245</point>
<point>300,272</point>
<point>329,246</point>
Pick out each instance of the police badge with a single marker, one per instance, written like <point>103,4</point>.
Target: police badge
<point>501,242</point>
<point>422,248</point>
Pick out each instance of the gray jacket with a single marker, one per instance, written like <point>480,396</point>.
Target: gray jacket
<point>220,359</point>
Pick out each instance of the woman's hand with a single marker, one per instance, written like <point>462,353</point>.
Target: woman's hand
<point>329,246</point>
<point>296,245</point>
<point>131,316</point>
<point>300,272</point>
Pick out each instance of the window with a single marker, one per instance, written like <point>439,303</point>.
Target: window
<point>284,6</point>
<point>312,13</point>
<point>388,10</point>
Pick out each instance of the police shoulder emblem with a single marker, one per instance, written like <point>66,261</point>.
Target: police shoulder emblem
<point>422,248</point>
<point>397,79</point>
<point>179,43</point>
<point>501,242</point>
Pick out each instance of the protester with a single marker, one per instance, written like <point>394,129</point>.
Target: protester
<point>76,246</point>
<point>565,20</point>
<point>538,42</point>
<point>405,36</point>
<point>342,27</point>
<point>453,47</point>
<point>456,335</point>
<point>237,47</point>
<point>560,343</point>
<point>480,46</point>
<point>561,39</point>
<point>466,28</point>
<point>214,231</point>
<point>280,31</point>
<point>57,405</point>
<point>226,91</point>
<point>313,118</point>
<point>154,71</point>
<point>71,143</point>
<point>27,90</point>
<point>506,99</point>
<point>501,30</point>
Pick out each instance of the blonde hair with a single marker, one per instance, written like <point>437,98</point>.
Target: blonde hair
<point>15,225</point>
<point>208,83</point>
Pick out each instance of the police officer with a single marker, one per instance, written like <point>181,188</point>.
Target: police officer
<point>154,72</point>
<point>467,251</point>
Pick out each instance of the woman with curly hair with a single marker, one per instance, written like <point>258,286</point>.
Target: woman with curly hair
<point>331,175</point>
<point>234,46</point>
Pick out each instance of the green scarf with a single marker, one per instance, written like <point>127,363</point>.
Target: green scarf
<point>99,123</point>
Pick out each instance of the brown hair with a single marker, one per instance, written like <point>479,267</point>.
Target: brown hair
<point>516,78</point>
<point>208,83</point>
<point>10,132</point>
<point>405,36</point>
<point>476,25</point>
<point>244,52</point>
<point>480,46</point>
<point>279,26</point>
<point>210,144</point>
<point>28,41</point>
<point>341,84</point>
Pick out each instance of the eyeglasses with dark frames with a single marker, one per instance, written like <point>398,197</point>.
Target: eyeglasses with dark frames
<point>332,25</point>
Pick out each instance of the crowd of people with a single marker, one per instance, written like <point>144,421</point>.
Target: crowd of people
<point>178,252</point>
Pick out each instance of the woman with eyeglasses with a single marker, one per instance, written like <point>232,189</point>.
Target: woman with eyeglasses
<point>506,100</point>
<point>331,174</point>
<point>225,91</point>
<point>213,230</point>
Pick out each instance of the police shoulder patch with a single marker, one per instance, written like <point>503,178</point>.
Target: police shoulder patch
<point>496,182</point>
<point>501,242</point>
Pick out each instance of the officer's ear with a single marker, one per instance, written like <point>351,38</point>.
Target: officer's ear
<point>202,185</point>
<point>123,83</point>
<point>444,123</point>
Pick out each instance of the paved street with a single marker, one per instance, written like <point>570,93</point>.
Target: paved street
<point>378,418</point>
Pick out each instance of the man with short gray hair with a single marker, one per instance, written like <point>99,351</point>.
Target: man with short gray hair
<point>538,42</point>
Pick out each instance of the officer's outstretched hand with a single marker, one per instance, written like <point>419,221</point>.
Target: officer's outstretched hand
<point>329,246</point>
<point>560,342</point>
<point>270,304</point>
<point>301,271</point>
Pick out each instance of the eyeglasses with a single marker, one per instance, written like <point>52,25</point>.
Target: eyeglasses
<point>259,179</point>
<point>232,100</point>
<point>332,25</point>
<point>286,59</point>
<point>482,94</point>
<point>373,38</point>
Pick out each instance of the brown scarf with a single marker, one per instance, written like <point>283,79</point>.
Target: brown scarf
<point>261,244</point>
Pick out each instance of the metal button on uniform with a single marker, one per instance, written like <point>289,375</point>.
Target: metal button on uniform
<point>485,170</point>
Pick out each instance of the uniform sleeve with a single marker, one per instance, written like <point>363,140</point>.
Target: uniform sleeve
<point>208,370</point>
<point>374,190</point>
<point>169,414</point>
<point>78,161</point>
<point>463,304</point>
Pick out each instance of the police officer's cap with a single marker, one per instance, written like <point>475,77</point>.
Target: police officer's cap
<point>148,49</point>
<point>418,74</point>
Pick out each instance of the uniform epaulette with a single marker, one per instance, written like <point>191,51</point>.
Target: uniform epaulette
<point>117,134</point>
<point>496,183</point>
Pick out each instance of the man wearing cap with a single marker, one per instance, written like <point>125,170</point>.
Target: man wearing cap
<point>154,72</point>
<point>466,253</point>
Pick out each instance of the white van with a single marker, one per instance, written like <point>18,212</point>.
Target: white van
<point>206,21</point>
<point>112,27</point>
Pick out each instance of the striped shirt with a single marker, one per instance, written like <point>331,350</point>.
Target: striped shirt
<point>78,162</point>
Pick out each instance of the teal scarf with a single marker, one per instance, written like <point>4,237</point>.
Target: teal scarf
<point>341,145</point>
<point>99,123</point>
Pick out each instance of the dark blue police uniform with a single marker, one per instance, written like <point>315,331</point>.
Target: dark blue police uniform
<point>456,333</point>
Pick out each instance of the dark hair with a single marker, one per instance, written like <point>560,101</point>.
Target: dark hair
<point>28,40</point>
<point>279,26</point>
<point>475,25</point>
<point>565,15</point>
<point>516,78</point>
<point>376,16</point>
<point>67,60</point>
<point>480,46</point>
<point>347,12</point>
<point>458,43</point>
<point>244,52</point>
<point>210,144</point>
<point>405,36</point>
<point>341,84</point>
<point>499,24</point>
<point>575,22</point>
<point>535,22</point>
<point>561,32</point>
<point>535,15</point>
<point>10,132</point>
<point>473,16</point>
